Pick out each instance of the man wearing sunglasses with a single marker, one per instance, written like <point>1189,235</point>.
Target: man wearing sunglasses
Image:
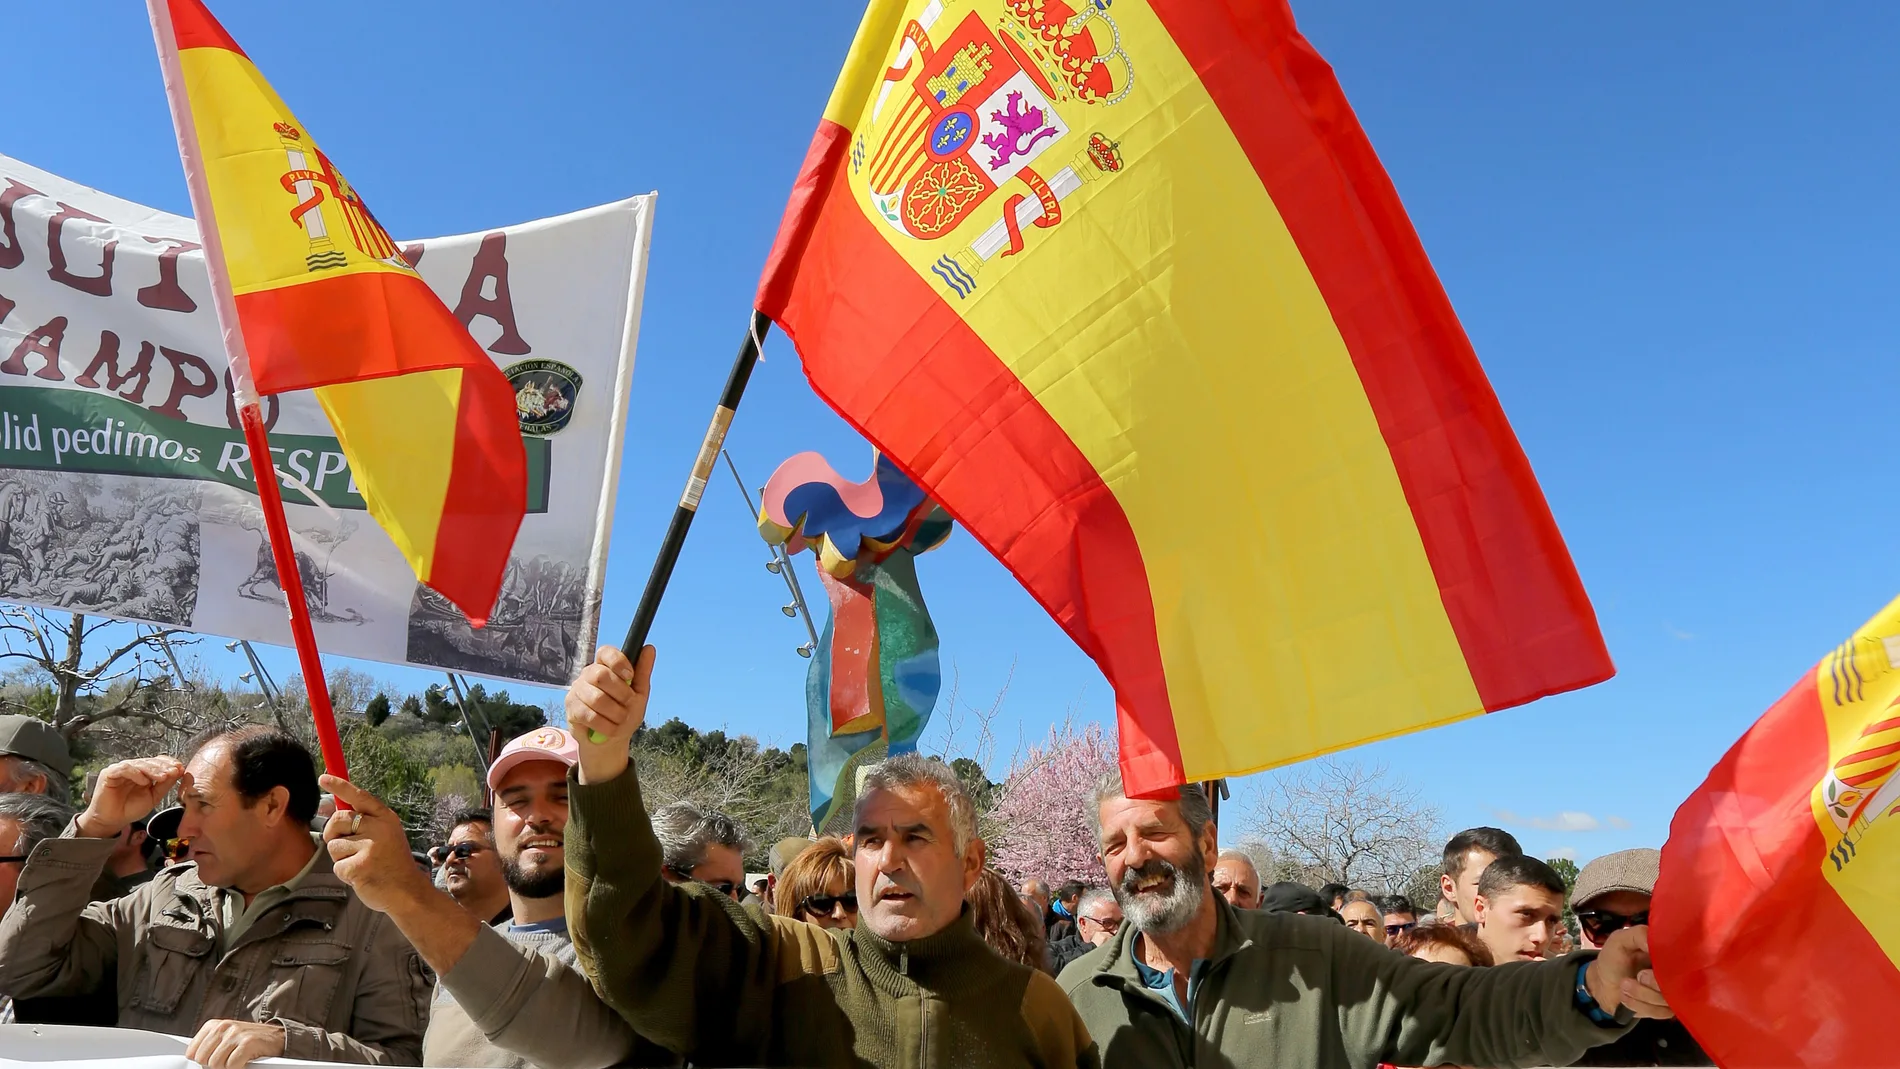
<point>1400,916</point>
<point>510,995</point>
<point>1097,918</point>
<point>702,845</point>
<point>471,868</point>
<point>1612,893</point>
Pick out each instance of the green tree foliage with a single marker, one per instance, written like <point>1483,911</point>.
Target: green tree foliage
<point>1567,869</point>
<point>393,772</point>
<point>377,711</point>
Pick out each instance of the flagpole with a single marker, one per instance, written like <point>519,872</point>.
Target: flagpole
<point>695,485</point>
<point>703,465</point>
<point>263,469</point>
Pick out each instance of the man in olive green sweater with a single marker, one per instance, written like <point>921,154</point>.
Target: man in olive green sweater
<point>724,984</point>
<point>1189,980</point>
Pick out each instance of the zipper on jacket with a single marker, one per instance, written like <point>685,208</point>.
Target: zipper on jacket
<point>903,963</point>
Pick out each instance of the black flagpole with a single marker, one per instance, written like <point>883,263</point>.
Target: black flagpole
<point>695,486</point>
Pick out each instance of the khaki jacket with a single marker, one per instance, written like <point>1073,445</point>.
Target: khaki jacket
<point>1288,991</point>
<point>339,977</point>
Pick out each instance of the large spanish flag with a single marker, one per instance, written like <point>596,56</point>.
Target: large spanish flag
<point>1126,289</point>
<point>1776,922</point>
<point>326,302</point>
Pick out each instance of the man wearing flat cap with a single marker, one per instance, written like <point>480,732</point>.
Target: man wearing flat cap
<point>34,759</point>
<point>1612,893</point>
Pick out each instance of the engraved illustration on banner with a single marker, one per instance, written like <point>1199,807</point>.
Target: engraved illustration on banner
<point>263,583</point>
<point>313,188</point>
<point>545,391</point>
<point>534,634</point>
<point>1860,689</point>
<point>984,107</point>
<point>93,543</point>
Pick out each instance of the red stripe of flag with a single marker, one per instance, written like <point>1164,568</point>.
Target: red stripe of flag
<point>1756,952</point>
<point>1507,581</point>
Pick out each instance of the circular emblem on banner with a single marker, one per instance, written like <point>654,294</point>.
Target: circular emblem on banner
<point>545,391</point>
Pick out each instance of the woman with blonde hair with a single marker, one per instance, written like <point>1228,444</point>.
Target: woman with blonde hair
<point>820,886</point>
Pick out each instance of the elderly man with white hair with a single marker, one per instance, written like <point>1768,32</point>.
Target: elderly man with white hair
<point>1236,880</point>
<point>724,984</point>
<point>1190,980</point>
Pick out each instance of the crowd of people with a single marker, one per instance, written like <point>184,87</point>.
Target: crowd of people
<point>276,912</point>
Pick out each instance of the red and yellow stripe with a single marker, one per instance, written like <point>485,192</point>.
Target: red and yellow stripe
<point>325,303</point>
<point>1220,420</point>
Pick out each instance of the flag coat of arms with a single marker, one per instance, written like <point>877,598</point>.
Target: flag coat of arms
<point>1777,915</point>
<point>1126,289</point>
<point>324,301</point>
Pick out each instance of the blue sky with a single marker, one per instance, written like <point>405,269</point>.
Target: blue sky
<point>1669,230</point>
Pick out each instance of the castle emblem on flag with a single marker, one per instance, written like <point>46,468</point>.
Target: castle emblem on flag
<point>314,187</point>
<point>983,108</point>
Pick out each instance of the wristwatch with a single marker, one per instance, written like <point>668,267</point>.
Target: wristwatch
<point>1588,1002</point>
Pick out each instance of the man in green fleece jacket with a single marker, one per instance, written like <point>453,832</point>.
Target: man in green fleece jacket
<point>724,984</point>
<point>1190,980</point>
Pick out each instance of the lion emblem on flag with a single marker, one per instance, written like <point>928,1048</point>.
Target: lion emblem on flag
<point>982,107</point>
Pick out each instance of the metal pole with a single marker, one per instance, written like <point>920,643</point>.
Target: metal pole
<point>682,521</point>
<point>780,556</point>
<point>461,705</point>
<point>171,655</point>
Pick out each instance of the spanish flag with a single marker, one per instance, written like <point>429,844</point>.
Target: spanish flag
<point>1775,926</point>
<point>324,301</point>
<point>1125,288</point>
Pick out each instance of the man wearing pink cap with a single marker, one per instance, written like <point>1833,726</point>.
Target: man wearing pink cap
<point>510,996</point>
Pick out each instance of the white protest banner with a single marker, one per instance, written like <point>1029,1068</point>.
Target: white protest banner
<point>45,1046</point>
<point>125,485</point>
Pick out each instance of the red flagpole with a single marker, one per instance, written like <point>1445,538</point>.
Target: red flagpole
<point>263,469</point>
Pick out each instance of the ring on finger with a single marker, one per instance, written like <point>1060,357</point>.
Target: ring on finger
<point>356,822</point>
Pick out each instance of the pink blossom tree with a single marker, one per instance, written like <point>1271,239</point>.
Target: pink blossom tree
<point>1040,823</point>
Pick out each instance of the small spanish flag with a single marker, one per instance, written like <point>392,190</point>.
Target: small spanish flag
<point>1776,922</point>
<point>1126,289</point>
<point>324,301</point>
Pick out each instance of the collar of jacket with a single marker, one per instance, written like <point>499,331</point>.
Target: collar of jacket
<point>946,961</point>
<point>1118,967</point>
<point>320,887</point>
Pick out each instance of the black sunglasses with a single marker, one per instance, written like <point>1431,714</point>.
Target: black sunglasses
<point>724,887</point>
<point>21,858</point>
<point>440,854</point>
<point>1599,923</point>
<point>826,903</point>
<point>1107,926</point>
<point>1400,929</point>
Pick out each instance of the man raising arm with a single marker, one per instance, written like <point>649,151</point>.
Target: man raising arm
<point>253,947</point>
<point>1189,980</point>
<point>724,984</point>
<point>510,996</point>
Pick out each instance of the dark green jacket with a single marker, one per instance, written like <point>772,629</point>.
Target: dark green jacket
<point>723,984</point>
<point>1297,992</point>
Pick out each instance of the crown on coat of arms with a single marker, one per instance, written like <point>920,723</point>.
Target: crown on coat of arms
<point>286,130</point>
<point>1061,42</point>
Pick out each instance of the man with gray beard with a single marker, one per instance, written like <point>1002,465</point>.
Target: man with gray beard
<point>1190,980</point>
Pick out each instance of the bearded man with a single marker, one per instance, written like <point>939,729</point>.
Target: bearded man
<point>1190,980</point>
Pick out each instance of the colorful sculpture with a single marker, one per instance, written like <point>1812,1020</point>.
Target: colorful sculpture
<point>875,675</point>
